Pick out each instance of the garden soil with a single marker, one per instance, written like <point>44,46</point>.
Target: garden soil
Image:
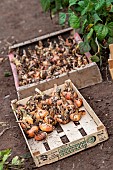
<point>23,20</point>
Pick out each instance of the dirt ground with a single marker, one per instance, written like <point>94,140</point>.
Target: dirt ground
<point>23,20</point>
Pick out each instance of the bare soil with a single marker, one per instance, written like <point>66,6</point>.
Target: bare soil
<point>23,20</point>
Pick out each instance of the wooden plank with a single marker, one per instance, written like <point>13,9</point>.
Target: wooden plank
<point>40,38</point>
<point>24,101</point>
<point>110,61</point>
<point>111,50</point>
<point>37,147</point>
<point>78,77</point>
<point>71,131</point>
<point>14,71</point>
<point>88,123</point>
<point>111,72</point>
<point>53,140</point>
<point>62,134</point>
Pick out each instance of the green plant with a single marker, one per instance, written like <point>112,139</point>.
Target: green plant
<point>92,18</point>
<point>14,163</point>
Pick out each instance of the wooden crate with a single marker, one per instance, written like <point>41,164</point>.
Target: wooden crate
<point>81,77</point>
<point>88,132</point>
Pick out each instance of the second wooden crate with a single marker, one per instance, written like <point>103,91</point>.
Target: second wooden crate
<point>81,77</point>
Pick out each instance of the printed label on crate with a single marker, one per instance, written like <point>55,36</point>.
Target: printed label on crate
<point>76,146</point>
<point>66,150</point>
<point>49,157</point>
<point>102,136</point>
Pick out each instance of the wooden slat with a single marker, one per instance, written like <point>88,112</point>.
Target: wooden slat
<point>111,72</point>
<point>111,50</point>
<point>40,38</point>
<point>79,126</point>
<point>61,134</point>
<point>24,101</point>
<point>110,61</point>
<point>53,140</point>
<point>71,131</point>
<point>88,123</point>
<point>14,71</point>
<point>36,146</point>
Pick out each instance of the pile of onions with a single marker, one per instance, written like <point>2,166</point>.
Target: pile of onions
<point>45,62</point>
<point>41,114</point>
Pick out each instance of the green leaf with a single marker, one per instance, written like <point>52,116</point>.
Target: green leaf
<point>84,47</point>
<point>45,4</point>
<point>110,40</point>
<point>62,18</point>
<point>83,25</point>
<point>5,157</point>
<point>1,166</point>
<point>5,152</point>
<point>108,3</point>
<point>110,28</point>
<point>99,4</point>
<point>16,161</point>
<point>58,4</point>
<point>93,45</point>
<point>111,10</point>
<point>74,21</point>
<point>65,3</point>
<point>72,2</point>
<point>88,8</point>
<point>70,12</point>
<point>84,11</point>
<point>96,18</point>
<point>81,4</point>
<point>89,35</point>
<point>95,58</point>
<point>101,31</point>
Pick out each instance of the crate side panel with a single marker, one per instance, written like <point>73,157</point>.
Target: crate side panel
<point>28,42</point>
<point>47,158</point>
<point>72,147</point>
<point>81,77</point>
<point>81,144</point>
<point>14,71</point>
<point>86,76</point>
